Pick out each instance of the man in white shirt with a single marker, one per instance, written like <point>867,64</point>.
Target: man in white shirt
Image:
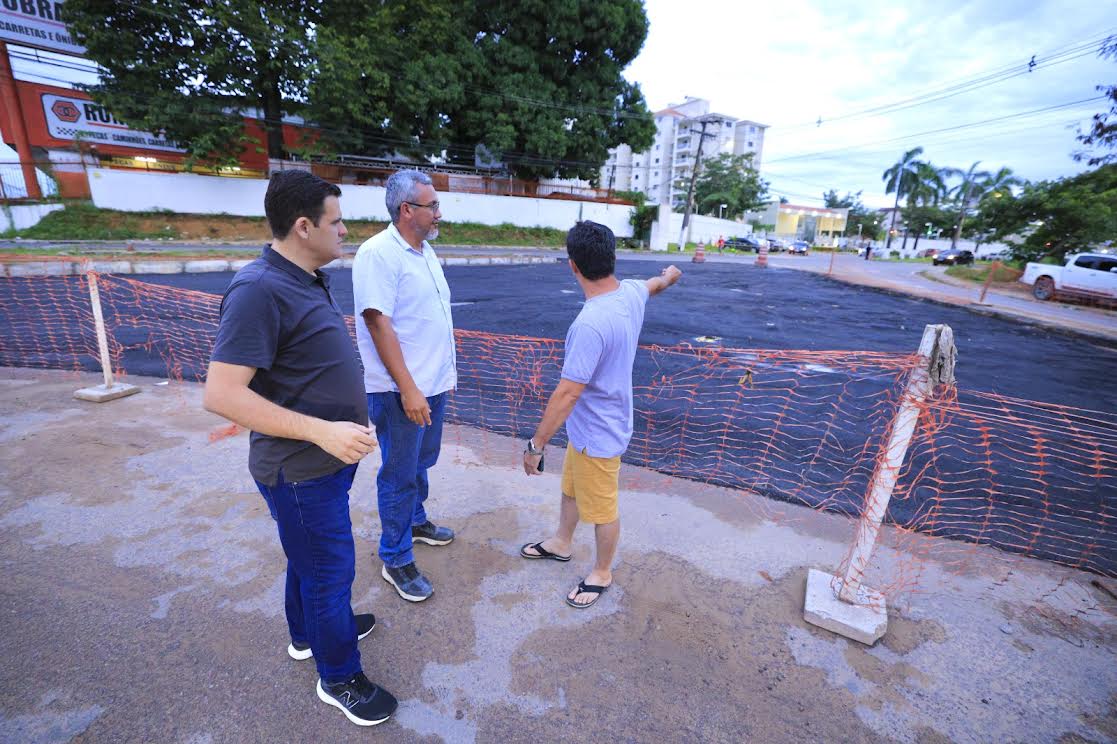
<point>405,334</point>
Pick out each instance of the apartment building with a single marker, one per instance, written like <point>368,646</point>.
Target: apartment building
<point>663,172</point>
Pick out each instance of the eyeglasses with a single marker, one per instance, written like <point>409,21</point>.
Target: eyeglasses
<point>433,206</point>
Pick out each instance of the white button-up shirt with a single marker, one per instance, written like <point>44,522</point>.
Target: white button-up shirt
<point>409,287</point>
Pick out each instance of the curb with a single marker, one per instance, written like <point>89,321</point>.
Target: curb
<point>200,266</point>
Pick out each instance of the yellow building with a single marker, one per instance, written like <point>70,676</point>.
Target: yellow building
<point>819,225</point>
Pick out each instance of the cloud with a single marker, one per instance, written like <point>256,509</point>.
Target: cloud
<point>788,64</point>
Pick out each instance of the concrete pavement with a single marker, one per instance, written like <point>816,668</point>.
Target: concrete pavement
<point>143,589</point>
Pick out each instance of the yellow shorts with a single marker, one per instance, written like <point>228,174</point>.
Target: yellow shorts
<point>593,483</point>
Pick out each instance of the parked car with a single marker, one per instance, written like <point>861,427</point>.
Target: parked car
<point>927,253</point>
<point>953,257</point>
<point>1084,274</point>
<point>775,245</point>
<point>799,248</point>
<point>746,243</point>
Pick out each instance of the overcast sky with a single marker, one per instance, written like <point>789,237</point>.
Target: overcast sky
<point>790,62</point>
<point>787,63</point>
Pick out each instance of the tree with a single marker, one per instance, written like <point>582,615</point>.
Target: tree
<point>963,193</point>
<point>926,191</point>
<point>1053,218</point>
<point>536,84</point>
<point>389,78</point>
<point>864,219</point>
<point>546,94</point>
<point>188,68</point>
<point>731,180</point>
<point>1102,134</point>
<point>901,178</point>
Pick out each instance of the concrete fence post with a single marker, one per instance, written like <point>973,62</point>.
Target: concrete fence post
<point>111,390</point>
<point>854,610</point>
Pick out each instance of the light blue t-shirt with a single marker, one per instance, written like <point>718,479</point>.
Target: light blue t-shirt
<point>600,349</point>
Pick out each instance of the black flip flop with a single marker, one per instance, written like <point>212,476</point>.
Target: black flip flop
<point>584,588</point>
<point>543,553</point>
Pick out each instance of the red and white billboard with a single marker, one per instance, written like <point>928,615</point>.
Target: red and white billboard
<point>38,23</point>
<point>71,118</point>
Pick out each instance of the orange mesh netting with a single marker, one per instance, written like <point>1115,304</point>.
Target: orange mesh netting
<point>805,427</point>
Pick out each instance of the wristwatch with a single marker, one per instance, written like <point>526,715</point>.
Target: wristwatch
<point>531,450</point>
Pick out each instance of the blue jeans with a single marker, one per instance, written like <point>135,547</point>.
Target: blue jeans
<point>407,450</point>
<point>317,538</point>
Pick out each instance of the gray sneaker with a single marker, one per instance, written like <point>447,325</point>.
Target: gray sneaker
<point>429,533</point>
<point>407,580</point>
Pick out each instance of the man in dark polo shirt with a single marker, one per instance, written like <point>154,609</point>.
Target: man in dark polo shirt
<point>284,366</point>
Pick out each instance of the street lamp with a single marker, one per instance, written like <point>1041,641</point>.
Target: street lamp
<point>721,208</point>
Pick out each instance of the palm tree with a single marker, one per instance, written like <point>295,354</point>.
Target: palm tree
<point>999,182</point>
<point>901,178</point>
<point>928,190</point>
<point>964,192</point>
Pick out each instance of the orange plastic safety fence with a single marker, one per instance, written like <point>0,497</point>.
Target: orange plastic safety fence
<point>805,427</point>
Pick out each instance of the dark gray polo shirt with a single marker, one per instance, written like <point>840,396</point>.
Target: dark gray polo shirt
<point>284,322</point>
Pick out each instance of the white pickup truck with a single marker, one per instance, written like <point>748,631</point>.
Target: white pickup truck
<point>1085,275</point>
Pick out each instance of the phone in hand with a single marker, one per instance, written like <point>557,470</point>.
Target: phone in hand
<point>540,468</point>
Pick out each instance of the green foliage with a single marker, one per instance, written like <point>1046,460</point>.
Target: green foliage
<point>537,84</point>
<point>643,214</point>
<point>869,219</point>
<point>1101,137</point>
<point>547,95</point>
<point>1054,217</point>
<point>731,180</point>
<point>182,67</point>
<point>916,218</point>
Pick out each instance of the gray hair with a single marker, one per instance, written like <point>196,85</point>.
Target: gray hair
<point>401,187</point>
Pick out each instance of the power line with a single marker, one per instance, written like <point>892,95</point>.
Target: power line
<point>968,85</point>
<point>957,127</point>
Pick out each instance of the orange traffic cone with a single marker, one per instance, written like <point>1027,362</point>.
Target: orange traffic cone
<point>699,253</point>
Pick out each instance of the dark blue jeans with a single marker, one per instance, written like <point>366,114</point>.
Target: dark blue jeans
<point>407,450</point>
<point>317,538</point>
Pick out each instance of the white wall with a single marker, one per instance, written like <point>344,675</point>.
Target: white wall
<point>136,191</point>
<point>23,216</point>
<point>702,229</point>
<point>941,244</point>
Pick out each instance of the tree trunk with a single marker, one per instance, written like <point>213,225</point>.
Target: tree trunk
<point>895,209</point>
<point>915,245</point>
<point>961,216</point>
<point>273,120</point>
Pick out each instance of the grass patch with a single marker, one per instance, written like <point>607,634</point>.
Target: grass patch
<point>83,221</point>
<point>981,273</point>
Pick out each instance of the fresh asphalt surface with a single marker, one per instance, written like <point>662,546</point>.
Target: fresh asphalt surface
<point>784,309</point>
<point>747,307</point>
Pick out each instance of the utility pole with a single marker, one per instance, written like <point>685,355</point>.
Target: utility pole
<point>690,189</point>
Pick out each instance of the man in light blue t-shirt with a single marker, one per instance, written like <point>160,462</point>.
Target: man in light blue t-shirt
<point>594,398</point>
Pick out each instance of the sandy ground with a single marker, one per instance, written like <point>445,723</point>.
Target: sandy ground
<point>142,601</point>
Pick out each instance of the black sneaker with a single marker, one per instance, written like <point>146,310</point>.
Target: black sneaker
<point>407,580</point>
<point>365,624</point>
<point>362,702</point>
<point>428,533</point>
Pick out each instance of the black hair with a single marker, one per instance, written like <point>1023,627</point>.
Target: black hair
<point>593,249</point>
<point>293,194</point>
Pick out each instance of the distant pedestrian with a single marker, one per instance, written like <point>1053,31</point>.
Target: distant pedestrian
<point>721,243</point>
<point>868,250</point>
<point>405,334</point>
<point>594,398</point>
<point>283,367</point>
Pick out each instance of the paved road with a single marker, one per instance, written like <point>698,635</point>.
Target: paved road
<point>747,307</point>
